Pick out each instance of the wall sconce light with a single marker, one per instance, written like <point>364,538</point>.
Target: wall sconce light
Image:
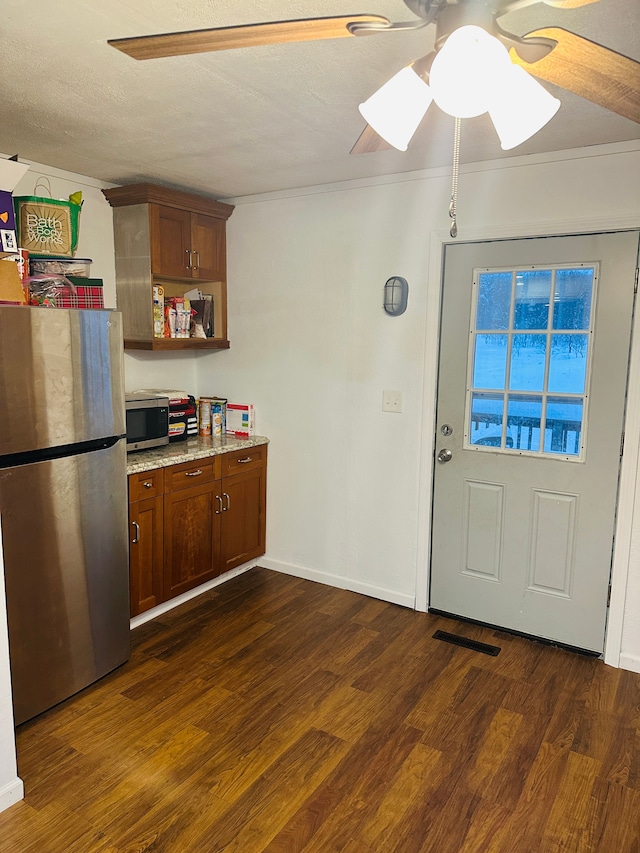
<point>396,293</point>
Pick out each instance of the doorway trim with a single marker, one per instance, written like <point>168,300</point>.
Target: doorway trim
<point>629,465</point>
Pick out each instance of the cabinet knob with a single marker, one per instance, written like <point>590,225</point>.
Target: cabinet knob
<point>243,461</point>
<point>193,473</point>
<point>148,484</point>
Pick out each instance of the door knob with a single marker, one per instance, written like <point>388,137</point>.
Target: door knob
<point>445,456</point>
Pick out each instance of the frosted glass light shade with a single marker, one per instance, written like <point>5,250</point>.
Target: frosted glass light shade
<point>520,107</point>
<point>465,70</point>
<point>398,107</point>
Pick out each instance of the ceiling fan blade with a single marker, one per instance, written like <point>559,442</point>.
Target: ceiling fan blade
<point>249,35</point>
<point>594,72</point>
<point>569,4</point>
<point>369,142</point>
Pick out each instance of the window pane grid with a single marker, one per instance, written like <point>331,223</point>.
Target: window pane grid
<point>528,366</point>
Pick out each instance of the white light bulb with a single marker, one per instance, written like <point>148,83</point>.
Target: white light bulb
<point>398,107</point>
<point>465,70</point>
<point>520,107</point>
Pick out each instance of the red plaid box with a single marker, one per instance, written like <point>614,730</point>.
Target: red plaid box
<point>85,296</point>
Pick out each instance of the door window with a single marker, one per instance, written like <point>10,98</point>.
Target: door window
<point>529,355</point>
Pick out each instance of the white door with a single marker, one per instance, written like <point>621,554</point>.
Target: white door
<point>531,392</point>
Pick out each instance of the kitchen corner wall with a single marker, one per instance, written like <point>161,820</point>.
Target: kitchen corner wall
<point>312,348</point>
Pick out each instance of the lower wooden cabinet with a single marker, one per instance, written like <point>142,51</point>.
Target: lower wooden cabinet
<point>146,583</point>
<point>193,521</point>
<point>244,489</point>
<point>191,538</point>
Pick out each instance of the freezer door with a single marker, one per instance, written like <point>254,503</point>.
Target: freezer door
<point>65,545</point>
<point>61,377</point>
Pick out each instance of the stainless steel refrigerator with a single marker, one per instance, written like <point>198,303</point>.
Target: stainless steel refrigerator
<point>63,501</point>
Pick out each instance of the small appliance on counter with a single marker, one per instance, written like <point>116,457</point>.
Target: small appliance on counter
<point>183,419</point>
<point>147,420</point>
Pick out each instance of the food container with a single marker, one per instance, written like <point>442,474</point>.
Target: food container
<point>218,415</point>
<point>204,415</point>
<point>61,266</point>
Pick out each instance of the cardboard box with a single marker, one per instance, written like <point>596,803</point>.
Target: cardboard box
<point>240,419</point>
<point>11,289</point>
<point>84,297</point>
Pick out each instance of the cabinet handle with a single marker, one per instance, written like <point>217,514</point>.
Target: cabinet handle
<point>244,461</point>
<point>193,473</point>
<point>136,538</point>
<point>226,508</point>
<point>219,499</point>
<point>197,264</point>
<point>148,484</point>
<point>190,264</point>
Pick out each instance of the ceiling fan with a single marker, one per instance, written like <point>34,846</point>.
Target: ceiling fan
<point>552,54</point>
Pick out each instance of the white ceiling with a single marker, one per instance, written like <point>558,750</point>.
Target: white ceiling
<point>241,122</point>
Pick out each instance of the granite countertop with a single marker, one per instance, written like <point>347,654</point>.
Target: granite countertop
<point>187,451</point>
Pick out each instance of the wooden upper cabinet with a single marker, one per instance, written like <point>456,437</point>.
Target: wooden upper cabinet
<point>185,244</point>
<point>170,240</point>
<point>209,239</point>
<point>168,237</point>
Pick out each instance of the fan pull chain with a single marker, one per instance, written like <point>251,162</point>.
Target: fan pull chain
<point>454,178</point>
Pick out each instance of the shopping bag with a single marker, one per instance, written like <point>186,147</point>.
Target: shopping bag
<point>47,226</point>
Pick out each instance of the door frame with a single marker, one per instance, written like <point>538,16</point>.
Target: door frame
<point>629,464</point>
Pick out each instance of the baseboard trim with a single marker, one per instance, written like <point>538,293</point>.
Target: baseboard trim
<point>390,595</point>
<point>148,615</point>
<point>630,662</point>
<point>11,793</point>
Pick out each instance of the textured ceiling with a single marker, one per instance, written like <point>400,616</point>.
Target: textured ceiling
<point>241,122</point>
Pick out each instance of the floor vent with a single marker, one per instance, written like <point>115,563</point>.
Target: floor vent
<point>474,645</point>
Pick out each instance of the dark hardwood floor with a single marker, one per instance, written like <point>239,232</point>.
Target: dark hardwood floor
<point>274,714</point>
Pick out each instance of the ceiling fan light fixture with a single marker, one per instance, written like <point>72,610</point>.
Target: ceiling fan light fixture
<point>396,109</point>
<point>466,70</point>
<point>520,108</point>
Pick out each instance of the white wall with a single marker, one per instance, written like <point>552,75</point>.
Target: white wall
<point>313,349</point>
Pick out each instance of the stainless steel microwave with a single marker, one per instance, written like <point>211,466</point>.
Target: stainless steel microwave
<point>147,420</point>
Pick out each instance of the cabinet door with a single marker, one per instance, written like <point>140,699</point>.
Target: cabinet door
<point>170,236</point>
<point>244,517</point>
<point>145,555</point>
<point>208,241</point>
<point>191,537</point>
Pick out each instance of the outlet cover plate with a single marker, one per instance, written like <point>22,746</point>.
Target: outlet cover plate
<point>392,401</point>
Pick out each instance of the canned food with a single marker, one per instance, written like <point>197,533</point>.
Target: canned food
<point>204,415</point>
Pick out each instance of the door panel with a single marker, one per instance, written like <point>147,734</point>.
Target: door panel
<point>532,378</point>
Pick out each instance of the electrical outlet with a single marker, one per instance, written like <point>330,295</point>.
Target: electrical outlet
<point>392,401</point>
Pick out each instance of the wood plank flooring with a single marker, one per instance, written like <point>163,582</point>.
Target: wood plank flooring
<point>275,715</point>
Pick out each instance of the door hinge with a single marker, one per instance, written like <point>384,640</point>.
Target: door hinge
<point>609,596</point>
<point>635,284</point>
<point>621,445</point>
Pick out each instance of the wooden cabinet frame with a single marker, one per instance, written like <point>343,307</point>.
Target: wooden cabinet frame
<point>174,239</point>
<point>193,521</point>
